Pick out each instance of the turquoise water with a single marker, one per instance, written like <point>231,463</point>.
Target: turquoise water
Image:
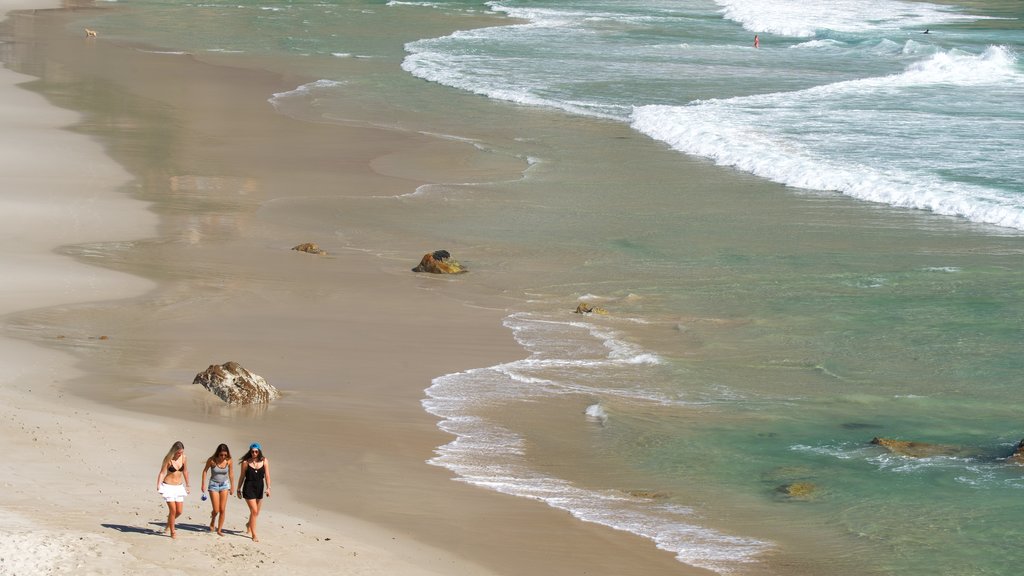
<point>758,335</point>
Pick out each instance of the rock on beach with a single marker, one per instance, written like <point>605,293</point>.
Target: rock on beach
<point>235,385</point>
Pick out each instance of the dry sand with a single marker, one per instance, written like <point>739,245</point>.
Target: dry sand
<point>88,409</point>
<point>79,484</point>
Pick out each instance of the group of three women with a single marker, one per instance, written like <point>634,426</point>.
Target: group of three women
<point>254,483</point>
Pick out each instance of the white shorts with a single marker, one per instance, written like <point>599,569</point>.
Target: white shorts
<point>173,492</point>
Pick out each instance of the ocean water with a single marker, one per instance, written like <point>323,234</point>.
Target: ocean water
<point>852,269</point>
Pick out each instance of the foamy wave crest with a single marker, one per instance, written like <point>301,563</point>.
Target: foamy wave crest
<point>490,456</point>
<point>420,4</point>
<point>566,358</point>
<point>905,465</point>
<point>564,15</point>
<point>455,61</point>
<point>842,452</point>
<point>596,412</point>
<point>305,92</point>
<point>805,19</point>
<point>827,43</point>
<point>430,60</point>
<point>854,137</point>
<point>995,65</point>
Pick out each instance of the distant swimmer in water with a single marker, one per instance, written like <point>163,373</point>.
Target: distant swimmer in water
<point>926,30</point>
<point>757,41</point>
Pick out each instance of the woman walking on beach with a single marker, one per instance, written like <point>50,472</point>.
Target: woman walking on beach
<point>255,475</point>
<point>222,478</point>
<point>172,483</point>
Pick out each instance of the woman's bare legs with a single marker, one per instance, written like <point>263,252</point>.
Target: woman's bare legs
<point>219,501</point>
<point>174,509</point>
<point>254,512</point>
<point>214,496</point>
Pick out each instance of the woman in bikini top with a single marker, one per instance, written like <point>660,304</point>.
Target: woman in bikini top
<point>172,483</point>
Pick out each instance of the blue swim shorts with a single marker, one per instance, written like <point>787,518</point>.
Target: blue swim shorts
<point>215,487</point>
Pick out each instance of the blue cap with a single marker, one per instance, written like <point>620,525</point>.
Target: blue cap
<point>255,445</point>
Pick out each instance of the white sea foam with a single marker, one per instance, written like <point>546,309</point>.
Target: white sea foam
<point>420,4</point>
<point>562,354</point>
<point>845,137</point>
<point>429,60</point>
<point>596,412</point>
<point>841,452</point>
<point>826,43</point>
<point>305,96</point>
<point>805,19</point>
<point>883,138</point>
<point>310,90</point>
<point>488,456</point>
<point>905,465</point>
<point>165,52</point>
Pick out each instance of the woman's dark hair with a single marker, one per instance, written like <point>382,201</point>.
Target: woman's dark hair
<point>248,455</point>
<point>221,448</point>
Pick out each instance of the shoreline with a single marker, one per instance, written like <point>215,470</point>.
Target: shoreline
<point>386,481</point>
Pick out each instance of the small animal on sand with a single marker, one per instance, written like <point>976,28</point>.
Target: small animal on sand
<point>90,33</point>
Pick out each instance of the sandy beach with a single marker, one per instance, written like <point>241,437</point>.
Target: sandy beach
<point>116,292</point>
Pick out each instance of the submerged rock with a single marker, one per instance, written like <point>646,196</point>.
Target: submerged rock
<point>309,247</point>
<point>918,449</point>
<point>439,262</point>
<point>648,494</point>
<point>236,385</point>
<point>799,490</point>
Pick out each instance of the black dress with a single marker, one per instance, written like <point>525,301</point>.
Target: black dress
<point>252,488</point>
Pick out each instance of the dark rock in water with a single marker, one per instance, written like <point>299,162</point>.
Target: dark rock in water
<point>309,247</point>
<point>585,308</point>
<point>799,490</point>
<point>858,425</point>
<point>648,494</point>
<point>236,385</point>
<point>439,262</point>
<point>924,450</point>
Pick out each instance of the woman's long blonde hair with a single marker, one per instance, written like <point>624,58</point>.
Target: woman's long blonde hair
<point>170,454</point>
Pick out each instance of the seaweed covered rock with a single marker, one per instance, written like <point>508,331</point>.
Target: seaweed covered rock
<point>798,491</point>
<point>309,248</point>
<point>439,262</point>
<point>236,385</point>
<point>918,449</point>
<point>585,308</point>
